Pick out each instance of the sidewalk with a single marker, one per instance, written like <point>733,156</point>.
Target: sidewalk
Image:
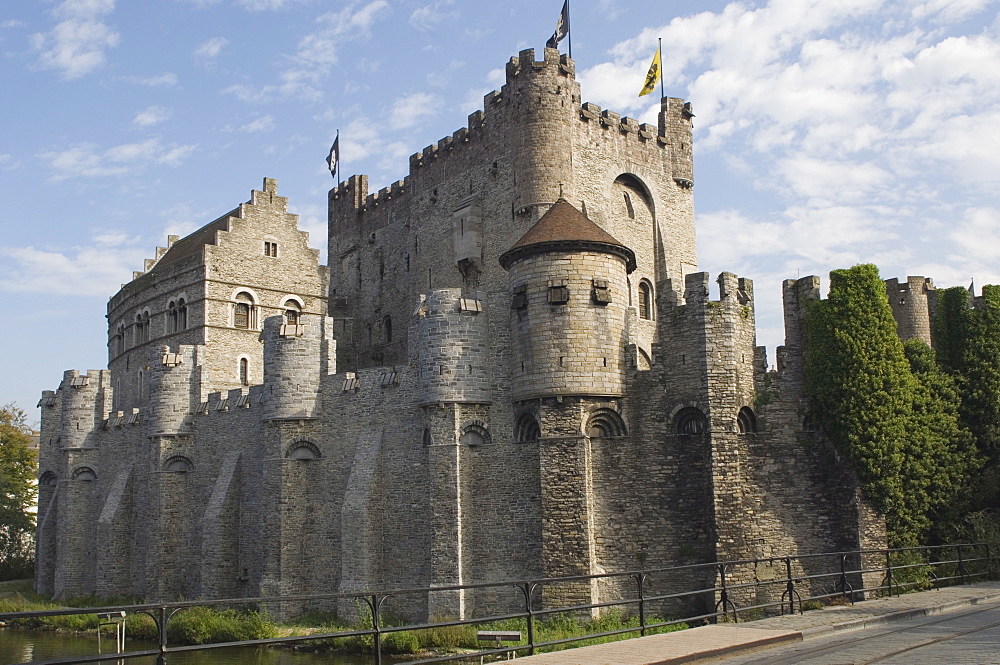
<point>719,640</point>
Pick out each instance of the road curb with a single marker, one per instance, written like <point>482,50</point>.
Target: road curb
<point>892,617</point>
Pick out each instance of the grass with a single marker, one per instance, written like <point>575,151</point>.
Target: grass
<point>195,625</point>
<point>202,625</point>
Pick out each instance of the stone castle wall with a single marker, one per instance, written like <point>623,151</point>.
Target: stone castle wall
<point>417,427</point>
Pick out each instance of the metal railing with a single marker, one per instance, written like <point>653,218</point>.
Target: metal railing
<point>737,591</point>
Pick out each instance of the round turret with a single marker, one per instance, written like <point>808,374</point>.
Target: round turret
<point>292,367</point>
<point>569,293</point>
<point>83,398</point>
<point>454,352</point>
<point>171,396</point>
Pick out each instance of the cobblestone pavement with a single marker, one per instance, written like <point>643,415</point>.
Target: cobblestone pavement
<point>766,640</point>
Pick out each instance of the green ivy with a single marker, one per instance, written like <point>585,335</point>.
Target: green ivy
<point>895,420</point>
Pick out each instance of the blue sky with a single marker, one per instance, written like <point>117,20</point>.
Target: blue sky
<point>828,133</point>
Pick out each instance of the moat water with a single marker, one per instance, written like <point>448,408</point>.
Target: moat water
<point>25,646</point>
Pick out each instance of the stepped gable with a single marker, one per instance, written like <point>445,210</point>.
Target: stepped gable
<point>190,244</point>
<point>563,227</point>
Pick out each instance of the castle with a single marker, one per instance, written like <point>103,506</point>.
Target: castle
<point>510,369</point>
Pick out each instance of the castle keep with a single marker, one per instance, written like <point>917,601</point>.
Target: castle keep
<point>511,368</point>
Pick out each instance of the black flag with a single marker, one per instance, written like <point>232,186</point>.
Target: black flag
<point>334,157</point>
<point>562,27</point>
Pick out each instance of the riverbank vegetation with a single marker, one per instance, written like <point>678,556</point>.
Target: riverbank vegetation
<point>203,625</point>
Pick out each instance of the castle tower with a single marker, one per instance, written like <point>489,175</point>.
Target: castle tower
<point>541,96</point>
<point>296,358</point>
<point>84,402</point>
<point>568,280</point>
<point>913,306</point>
<point>454,372</point>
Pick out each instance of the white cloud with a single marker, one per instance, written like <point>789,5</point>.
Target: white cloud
<point>426,17</point>
<point>408,111</point>
<point>978,235</point>
<point>316,54</point>
<point>8,163</point>
<point>87,160</point>
<point>164,80</point>
<point>151,115</point>
<point>264,123</point>
<point>76,45</point>
<point>210,49</point>
<point>262,5</point>
<point>95,270</point>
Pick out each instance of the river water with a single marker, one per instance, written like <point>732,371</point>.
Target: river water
<point>25,646</point>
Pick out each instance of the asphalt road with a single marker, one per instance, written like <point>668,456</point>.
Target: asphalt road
<point>970,636</point>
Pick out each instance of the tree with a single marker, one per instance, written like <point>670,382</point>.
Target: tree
<point>17,494</point>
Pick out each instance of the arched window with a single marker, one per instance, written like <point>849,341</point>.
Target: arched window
<point>141,328</point>
<point>243,311</point>
<point>474,434</point>
<point>645,300</point>
<point>746,421</point>
<point>605,423</point>
<point>244,372</point>
<point>84,473</point>
<point>527,429</point>
<point>48,479</point>
<point>690,420</point>
<point>172,317</point>
<point>293,313</point>
<point>303,451</point>
<point>387,328</point>
<point>118,342</point>
<point>178,464</point>
<point>140,384</point>
<point>182,314</point>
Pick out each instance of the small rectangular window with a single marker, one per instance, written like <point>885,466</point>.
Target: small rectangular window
<point>470,305</point>
<point>602,292</point>
<point>270,248</point>
<point>520,299</point>
<point>241,316</point>
<point>558,292</point>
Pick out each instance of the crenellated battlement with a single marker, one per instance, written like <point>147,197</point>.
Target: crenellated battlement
<point>500,112</point>
<point>732,290</point>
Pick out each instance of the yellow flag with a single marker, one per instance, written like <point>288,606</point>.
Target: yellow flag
<point>653,75</point>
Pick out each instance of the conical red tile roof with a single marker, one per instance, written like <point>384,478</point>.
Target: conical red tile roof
<point>564,227</point>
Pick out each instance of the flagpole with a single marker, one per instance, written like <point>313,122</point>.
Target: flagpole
<point>659,49</point>
<point>569,31</point>
<point>337,176</point>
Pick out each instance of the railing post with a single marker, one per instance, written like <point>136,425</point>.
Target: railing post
<point>789,588</point>
<point>375,604</point>
<point>162,632</point>
<point>962,572</point>
<point>527,588</point>
<point>640,579</point>
<point>724,595</point>
<point>888,571</point>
